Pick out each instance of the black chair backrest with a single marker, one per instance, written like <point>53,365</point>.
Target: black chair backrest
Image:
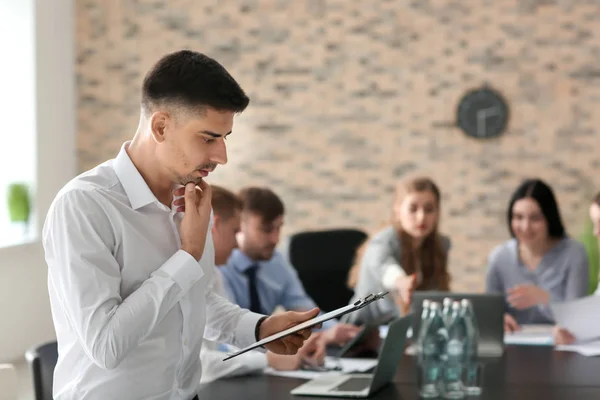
<point>42,361</point>
<point>323,260</point>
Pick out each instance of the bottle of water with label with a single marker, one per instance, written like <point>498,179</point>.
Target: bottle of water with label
<point>456,351</point>
<point>422,328</point>
<point>433,342</point>
<point>471,381</point>
<point>447,310</point>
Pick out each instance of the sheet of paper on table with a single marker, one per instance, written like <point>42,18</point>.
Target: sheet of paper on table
<point>580,317</point>
<point>348,365</point>
<point>531,335</point>
<point>589,349</point>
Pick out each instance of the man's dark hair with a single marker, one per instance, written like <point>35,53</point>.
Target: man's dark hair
<point>224,202</point>
<point>262,202</point>
<point>191,79</point>
<point>541,192</point>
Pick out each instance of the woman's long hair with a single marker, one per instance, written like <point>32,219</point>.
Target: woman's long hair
<point>434,257</point>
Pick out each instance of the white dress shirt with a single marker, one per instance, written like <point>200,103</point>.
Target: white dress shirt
<point>129,307</point>
<point>213,366</point>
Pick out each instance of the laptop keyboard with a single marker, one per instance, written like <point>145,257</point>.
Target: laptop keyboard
<point>353,385</point>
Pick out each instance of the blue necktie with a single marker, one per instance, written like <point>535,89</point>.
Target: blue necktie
<point>253,292</point>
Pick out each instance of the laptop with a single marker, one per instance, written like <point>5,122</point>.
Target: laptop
<point>368,329</point>
<point>363,385</point>
<point>489,312</point>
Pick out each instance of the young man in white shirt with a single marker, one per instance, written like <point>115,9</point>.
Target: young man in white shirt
<point>227,208</point>
<point>130,254</point>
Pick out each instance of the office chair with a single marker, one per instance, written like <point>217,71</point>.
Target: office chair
<point>42,361</point>
<point>323,260</point>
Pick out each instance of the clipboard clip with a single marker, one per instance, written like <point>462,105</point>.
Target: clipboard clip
<point>360,303</point>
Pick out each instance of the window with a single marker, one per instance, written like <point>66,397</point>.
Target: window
<point>17,102</point>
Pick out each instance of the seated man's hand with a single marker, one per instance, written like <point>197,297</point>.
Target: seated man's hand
<point>562,336</point>
<point>313,352</point>
<point>280,322</point>
<point>314,349</point>
<point>340,334</point>
<point>282,362</point>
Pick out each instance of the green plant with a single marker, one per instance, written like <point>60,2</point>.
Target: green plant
<point>19,207</point>
<point>590,242</point>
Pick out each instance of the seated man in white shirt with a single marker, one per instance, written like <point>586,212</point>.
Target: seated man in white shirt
<point>130,254</point>
<point>227,208</point>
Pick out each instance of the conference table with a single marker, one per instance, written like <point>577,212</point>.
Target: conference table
<point>522,373</point>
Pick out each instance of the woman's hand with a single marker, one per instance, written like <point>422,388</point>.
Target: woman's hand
<point>405,286</point>
<point>526,296</point>
<point>510,325</point>
<point>562,336</point>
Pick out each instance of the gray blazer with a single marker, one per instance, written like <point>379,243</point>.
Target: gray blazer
<point>382,250</point>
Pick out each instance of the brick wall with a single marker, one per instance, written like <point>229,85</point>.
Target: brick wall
<point>347,98</point>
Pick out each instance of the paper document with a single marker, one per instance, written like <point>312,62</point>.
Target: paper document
<point>336,366</point>
<point>580,317</point>
<point>589,349</point>
<point>532,335</point>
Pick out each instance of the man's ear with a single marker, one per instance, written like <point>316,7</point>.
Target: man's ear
<point>216,222</point>
<point>159,122</point>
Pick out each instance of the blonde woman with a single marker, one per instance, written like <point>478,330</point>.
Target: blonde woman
<point>406,256</point>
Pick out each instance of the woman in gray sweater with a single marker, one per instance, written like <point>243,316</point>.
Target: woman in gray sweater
<point>540,263</point>
<point>406,256</point>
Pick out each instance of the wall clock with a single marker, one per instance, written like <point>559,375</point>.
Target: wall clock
<point>482,113</point>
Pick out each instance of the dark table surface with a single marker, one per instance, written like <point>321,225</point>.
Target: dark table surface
<point>524,372</point>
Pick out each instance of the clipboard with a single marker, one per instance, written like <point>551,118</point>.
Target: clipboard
<point>357,305</point>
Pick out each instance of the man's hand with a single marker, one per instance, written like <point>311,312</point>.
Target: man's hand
<point>280,322</point>
<point>510,325</point>
<point>526,296</point>
<point>194,226</point>
<point>562,336</point>
<point>340,334</point>
<point>281,362</point>
<point>311,353</point>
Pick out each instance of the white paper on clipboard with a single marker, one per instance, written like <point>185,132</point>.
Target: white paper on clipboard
<point>357,305</point>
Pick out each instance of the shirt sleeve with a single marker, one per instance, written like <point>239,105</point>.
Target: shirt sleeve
<point>227,322</point>
<point>379,259</point>
<point>85,277</point>
<point>493,280</point>
<point>577,278</point>
<point>213,366</point>
<point>390,275</point>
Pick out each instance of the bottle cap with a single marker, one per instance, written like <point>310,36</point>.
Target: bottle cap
<point>426,303</point>
<point>434,306</point>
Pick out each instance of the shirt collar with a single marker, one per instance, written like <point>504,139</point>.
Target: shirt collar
<point>136,188</point>
<point>241,262</point>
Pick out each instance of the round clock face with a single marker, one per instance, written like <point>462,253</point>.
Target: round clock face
<point>482,113</point>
